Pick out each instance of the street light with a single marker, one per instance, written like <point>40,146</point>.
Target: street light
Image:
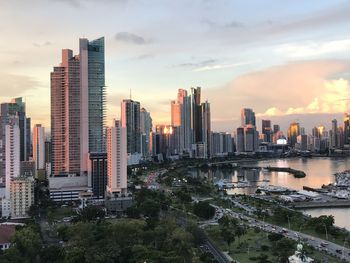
<point>326,231</point>
<point>288,221</point>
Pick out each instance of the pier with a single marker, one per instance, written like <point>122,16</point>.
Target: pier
<point>330,204</point>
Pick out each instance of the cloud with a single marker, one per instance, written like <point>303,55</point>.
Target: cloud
<point>330,100</point>
<point>301,87</point>
<point>47,43</point>
<point>197,64</point>
<point>17,85</point>
<point>224,66</point>
<point>312,48</point>
<point>235,24</point>
<point>130,38</point>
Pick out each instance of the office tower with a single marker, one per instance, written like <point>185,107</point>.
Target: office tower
<point>98,172</point>
<point>116,159</point>
<point>240,140</point>
<point>302,131</point>
<point>78,107</point>
<point>146,129</point>
<point>185,130</point>
<point>251,136</point>
<point>17,107</point>
<point>196,118</point>
<point>92,89</point>
<point>346,129</point>
<point>334,139</point>
<point>175,113</point>
<point>266,130</point>
<point>39,146</point>
<point>130,119</point>
<point>340,136</point>
<point>22,196</point>
<point>247,117</point>
<point>276,128</point>
<point>293,132</point>
<point>302,143</point>
<point>321,131</point>
<point>206,127</point>
<point>221,144</point>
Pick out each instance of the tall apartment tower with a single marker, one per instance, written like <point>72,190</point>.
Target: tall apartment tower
<point>116,159</point>
<point>130,119</point>
<point>12,159</point>
<point>78,107</point>
<point>39,146</point>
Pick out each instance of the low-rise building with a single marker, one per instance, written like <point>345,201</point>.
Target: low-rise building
<point>22,196</point>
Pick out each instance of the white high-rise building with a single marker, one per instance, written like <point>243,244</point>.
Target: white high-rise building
<point>12,161</point>
<point>116,159</point>
<point>39,146</point>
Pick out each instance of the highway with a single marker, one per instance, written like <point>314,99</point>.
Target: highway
<point>319,244</point>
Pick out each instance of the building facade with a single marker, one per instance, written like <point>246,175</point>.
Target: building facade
<point>116,159</point>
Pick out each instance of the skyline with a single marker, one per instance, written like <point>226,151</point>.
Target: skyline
<point>301,52</point>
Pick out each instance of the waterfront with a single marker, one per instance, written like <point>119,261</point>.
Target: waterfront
<point>318,171</point>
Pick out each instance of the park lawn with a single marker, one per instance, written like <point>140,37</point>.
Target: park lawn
<point>254,244</point>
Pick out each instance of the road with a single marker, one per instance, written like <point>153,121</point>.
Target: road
<point>319,244</point>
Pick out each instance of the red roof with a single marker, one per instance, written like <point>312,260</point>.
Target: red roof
<point>6,232</point>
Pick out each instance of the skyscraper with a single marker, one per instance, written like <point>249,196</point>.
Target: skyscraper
<point>346,129</point>
<point>196,118</point>
<point>116,159</point>
<point>146,129</point>
<point>206,127</point>
<point>293,132</point>
<point>92,89</point>
<point>39,146</point>
<point>78,107</point>
<point>266,130</point>
<point>175,113</point>
<point>65,115</point>
<point>247,117</point>
<point>130,119</point>
<point>11,160</point>
<point>17,107</point>
<point>334,133</point>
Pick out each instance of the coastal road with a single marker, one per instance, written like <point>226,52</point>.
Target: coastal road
<point>319,244</point>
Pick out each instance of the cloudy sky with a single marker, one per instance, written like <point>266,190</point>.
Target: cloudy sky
<point>288,60</point>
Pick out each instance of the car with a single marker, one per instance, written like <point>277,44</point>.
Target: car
<point>338,251</point>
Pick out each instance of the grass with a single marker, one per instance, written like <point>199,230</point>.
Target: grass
<point>254,244</point>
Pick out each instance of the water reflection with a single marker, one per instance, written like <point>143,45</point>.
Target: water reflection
<point>318,171</point>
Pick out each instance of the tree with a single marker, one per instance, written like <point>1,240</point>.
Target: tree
<point>204,210</point>
<point>91,213</point>
<point>274,237</point>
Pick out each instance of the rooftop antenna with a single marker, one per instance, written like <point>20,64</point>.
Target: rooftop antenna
<point>130,94</point>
